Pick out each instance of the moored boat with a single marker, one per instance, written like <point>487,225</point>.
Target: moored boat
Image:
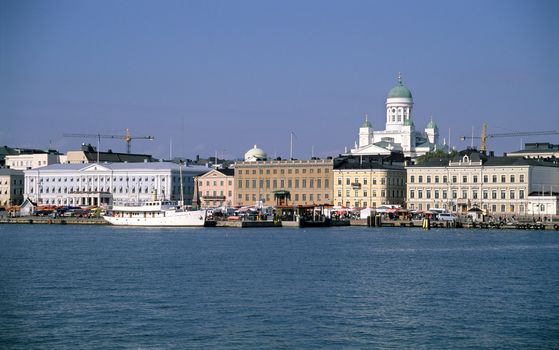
<point>156,213</point>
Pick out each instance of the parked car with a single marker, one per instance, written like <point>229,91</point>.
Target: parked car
<point>446,217</point>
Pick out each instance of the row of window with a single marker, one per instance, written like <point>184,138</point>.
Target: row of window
<point>303,183</point>
<point>465,178</point>
<point>281,171</point>
<point>214,193</point>
<point>221,183</point>
<point>120,189</point>
<point>383,193</point>
<point>383,181</point>
<point>296,196</point>
<point>503,208</point>
<point>495,194</point>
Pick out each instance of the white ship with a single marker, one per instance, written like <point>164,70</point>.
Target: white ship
<point>155,213</point>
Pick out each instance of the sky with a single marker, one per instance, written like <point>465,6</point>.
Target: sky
<point>207,77</point>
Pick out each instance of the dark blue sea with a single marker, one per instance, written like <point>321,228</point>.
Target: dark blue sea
<point>90,287</point>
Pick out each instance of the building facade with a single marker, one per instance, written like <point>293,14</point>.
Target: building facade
<point>108,183</point>
<point>499,185</point>
<point>400,133</point>
<point>308,181</point>
<point>368,182</point>
<point>216,188</point>
<point>11,187</point>
<point>31,161</point>
<point>537,150</point>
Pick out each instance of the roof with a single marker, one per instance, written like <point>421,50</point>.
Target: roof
<point>116,157</point>
<point>8,171</point>
<point>227,172</point>
<point>124,166</point>
<point>394,161</point>
<point>366,123</point>
<point>400,90</point>
<point>476,156</point>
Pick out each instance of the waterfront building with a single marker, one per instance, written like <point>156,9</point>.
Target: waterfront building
<point>11,187</point>
<point>400,133</point>
<point>369,181</point>
<point>543,204</point>
<point>499,185</point>
<point>32,160</point>
<point>108,183</point>
<point>537,150</point>
<point>88,154</point>
<point>216,188</point>
<point>307,182</point>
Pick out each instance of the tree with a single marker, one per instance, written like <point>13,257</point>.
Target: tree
<point>438,154</point>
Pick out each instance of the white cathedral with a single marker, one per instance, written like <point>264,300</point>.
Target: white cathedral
<point>400,134</point>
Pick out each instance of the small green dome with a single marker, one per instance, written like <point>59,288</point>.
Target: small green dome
<point>400,90</point>
<point>431,124</point>
<point>366,123</point>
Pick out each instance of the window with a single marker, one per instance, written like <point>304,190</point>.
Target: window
<point>512,178</point>
<point>485,178</point>
<point>474,194</point>
<point>464,194</point>
<point>445,179</point>
<point>436,194</point>
<point>420,178</point>
<point>428,193</point>
<point>347,180</point>
<point>503,194</point>
<point>454,194</point>
<point>454,179</point>
<point>521,178</point>
<point>521,193</point>
<point>494,194</point>
<point>428,179</point>
<point>412,179</point>
<point>503,178</point>
<point>419,193</point>
<point>511,194</point>
<point>412,194</point>
<point>339,181</point>
<point>494,178</point>
<point>436,179</point>
<point>485,194</point>
<point>445,194</point>
<point>464,179</point>
<point>475,179</point>
<point>503,208</point>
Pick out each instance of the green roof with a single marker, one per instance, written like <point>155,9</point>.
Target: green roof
<point>400,90</point>
<point>366,123</point>
<point>431,124</point>
<point>408,122</point>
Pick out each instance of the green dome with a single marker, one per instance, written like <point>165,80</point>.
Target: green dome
<point>366,123</point>
<point>431,124</point>
<point>399,90</point>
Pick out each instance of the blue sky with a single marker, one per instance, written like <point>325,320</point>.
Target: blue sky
<point>224,75</point>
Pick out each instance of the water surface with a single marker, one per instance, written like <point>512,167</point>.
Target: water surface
<point>68,287</point>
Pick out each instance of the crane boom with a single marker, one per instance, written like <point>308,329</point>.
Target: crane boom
<point>127,138</point>
<point>484,135</point>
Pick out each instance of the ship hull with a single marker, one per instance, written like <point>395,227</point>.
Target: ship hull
<point>196,218</point>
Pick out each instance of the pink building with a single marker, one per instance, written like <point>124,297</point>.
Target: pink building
<point>216,188</point>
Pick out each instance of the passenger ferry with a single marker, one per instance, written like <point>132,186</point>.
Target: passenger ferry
<point>155,213</point>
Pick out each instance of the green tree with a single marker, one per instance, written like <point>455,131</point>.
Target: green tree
<point>438,154</point>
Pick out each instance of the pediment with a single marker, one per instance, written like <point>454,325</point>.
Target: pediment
<point>95,168</point>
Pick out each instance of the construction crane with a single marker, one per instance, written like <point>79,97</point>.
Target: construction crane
<point>127,138</point>
<point>484,136</point>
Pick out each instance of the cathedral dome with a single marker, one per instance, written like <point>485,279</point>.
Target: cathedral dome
<point>255,154</point>
<point>400,90</point>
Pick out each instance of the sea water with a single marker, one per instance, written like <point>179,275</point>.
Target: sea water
<point>101,287</point>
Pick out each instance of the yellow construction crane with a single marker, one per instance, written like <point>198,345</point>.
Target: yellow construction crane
<point>127,138</point>
<point>484,136</point>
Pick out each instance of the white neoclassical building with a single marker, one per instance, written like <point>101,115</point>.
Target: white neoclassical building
<point>400,133</point>
<point>107,183</point>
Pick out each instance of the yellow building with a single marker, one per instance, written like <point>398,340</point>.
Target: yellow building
<point>308,181</point>
<point>368,181</point>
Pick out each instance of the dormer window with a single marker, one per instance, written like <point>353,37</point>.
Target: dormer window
<point>466,159</point>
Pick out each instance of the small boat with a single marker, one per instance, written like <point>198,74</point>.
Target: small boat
<point>156,213</point>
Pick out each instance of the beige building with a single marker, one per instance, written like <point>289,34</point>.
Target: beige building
<point>31,161</point>
<point>500,185</point>
<point>368,182</point>
<point>308,181</point>
<point>216,188</point>
<point>11,187</point>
